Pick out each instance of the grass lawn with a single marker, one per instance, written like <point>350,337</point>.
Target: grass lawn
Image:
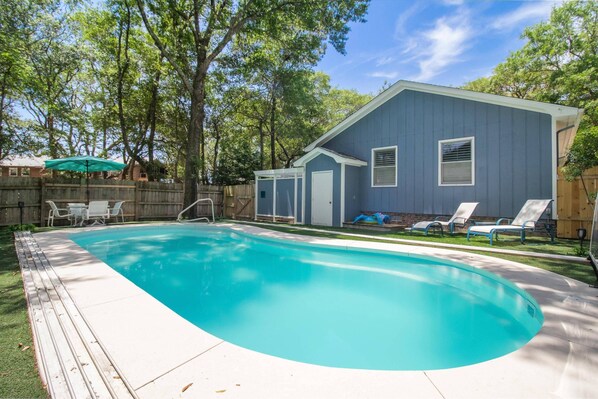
<point>19,377</point>
<point>579,271</point>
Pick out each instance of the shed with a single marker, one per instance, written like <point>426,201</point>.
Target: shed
<point>419,150</point>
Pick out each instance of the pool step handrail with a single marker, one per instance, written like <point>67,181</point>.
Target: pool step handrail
<point>180,215</point>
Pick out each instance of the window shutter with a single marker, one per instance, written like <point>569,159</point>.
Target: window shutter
<point>384,158</point>
<point>384,167</point>
<point>456,152</point>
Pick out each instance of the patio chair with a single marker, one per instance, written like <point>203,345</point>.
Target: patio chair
<point>526,219</point>
<point>56,213</point>
<point>117,210</point>
<point>459,218</point>
<point>96,211</point>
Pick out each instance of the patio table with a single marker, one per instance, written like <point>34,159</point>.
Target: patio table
<point>76,209</point>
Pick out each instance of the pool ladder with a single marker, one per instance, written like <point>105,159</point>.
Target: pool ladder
<point>180,216</point>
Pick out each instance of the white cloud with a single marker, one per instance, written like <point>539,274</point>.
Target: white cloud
<point>443,45</point>
<point>385,75</point>
<point>453,2</point>
<point>528,11</point>
<point>401,22</point>
<point>384,60</point>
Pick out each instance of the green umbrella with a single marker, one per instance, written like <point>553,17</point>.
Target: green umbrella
<point>84,164</point>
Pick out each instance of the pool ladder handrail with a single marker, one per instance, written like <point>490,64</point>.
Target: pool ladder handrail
<point>180,215</point>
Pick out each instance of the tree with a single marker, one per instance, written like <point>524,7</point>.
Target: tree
<point>192,35</point>
<point>17,26</point>
<point>558,64</point>
<point>54,60</point>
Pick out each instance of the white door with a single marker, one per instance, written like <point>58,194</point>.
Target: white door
<point>321,198</point>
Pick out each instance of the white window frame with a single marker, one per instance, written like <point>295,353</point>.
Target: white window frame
<point>394,147</point>
<point>28,174</point>
<point>13,172</point>
<point>440,143</point>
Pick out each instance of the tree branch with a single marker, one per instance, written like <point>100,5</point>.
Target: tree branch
<point>185,77</point>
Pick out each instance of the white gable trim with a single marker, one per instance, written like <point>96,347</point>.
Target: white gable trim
<point>338,158</point>
<point>557,111</point>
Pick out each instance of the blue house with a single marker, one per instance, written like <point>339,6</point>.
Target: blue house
<point>418,150</point>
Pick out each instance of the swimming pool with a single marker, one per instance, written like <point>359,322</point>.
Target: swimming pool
<point>323,305</point>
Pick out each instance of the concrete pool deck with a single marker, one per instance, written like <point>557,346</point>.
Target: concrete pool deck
<point>158,353</point>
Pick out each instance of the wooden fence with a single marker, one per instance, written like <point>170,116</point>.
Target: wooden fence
<point>143,200</point>
<point>239,201</point>
<point>574,208</point>
<point>163,201</point>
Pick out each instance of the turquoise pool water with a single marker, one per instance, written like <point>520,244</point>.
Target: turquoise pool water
<point>323,305</point>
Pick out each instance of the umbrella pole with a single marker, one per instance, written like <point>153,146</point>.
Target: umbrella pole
<point>87,175</point>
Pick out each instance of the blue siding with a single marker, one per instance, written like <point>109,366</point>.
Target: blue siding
<point>512,154</point>
<point>285,197</point>
<point>264,205</point>
<point>321,163</point>
<point>352,192</point>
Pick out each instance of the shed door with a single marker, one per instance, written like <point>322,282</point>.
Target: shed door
<point>321,198</point>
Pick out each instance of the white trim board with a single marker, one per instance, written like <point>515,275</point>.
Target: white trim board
<point>338,158</point>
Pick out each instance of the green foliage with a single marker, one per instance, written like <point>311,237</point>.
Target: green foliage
<point>236,164</point>
<point>161,82</point>
<point>558,64</point>
<point>583,153</point>
<point>22,227</point>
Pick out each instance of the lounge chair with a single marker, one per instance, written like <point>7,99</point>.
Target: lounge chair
<point>96,211</point>
<point>526,219</point>
<point>460,218</point>
<point>56,213</point>
<point>117,210</point>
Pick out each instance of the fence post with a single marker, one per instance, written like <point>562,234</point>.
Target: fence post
<point>42,196</point>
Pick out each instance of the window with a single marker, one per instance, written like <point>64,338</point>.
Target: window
<point>13,172</point>
<point>384,167</point>
<point>25,172</point>
<point>456,166</point>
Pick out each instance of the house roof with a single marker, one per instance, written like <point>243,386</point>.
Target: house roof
<point>338,157</point>
<point>26,161</point>
<point>568,115</point>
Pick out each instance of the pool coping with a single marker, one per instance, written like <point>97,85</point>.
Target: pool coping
<point>162,355</point>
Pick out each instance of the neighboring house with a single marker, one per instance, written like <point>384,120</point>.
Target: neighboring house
<point>418,149</point>
<point>22,166</point>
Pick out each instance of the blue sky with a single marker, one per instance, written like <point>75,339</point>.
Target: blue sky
<point>445,42</point>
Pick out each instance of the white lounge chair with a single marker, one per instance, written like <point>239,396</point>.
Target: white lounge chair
<point>56,213</point>
<point>117,210</point>
<point>460,218</point>
<point>96,211</point>
<point>526,219</point>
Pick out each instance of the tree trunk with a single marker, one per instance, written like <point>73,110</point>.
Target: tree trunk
<point>2,100</point>
<point>273,132</point>
<point>216,148</point>
<point>261,144</point>
<point>193,162</point>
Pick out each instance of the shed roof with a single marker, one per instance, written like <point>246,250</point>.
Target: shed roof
<point>568,115</point>
<point>338,157</point>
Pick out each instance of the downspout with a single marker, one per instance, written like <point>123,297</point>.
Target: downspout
<point>557,140</point>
